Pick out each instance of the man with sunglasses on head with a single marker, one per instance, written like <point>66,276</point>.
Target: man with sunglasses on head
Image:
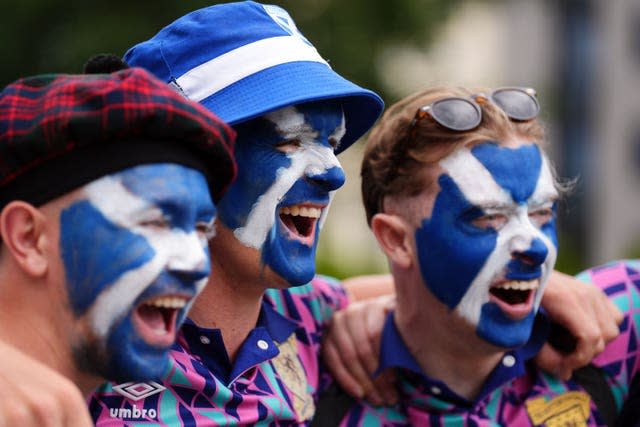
<point>461,197</point>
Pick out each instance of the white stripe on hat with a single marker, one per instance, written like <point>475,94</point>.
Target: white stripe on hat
<point>216,74</point>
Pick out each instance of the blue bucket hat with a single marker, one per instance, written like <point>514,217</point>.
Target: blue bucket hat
<point>242,60</point>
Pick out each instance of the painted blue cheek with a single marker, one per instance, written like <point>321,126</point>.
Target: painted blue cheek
<point>450,254</point>
<point>96,253</point>
<point>258,166</point>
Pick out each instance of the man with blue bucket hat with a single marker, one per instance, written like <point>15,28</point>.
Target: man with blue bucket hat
<point>249,354</point>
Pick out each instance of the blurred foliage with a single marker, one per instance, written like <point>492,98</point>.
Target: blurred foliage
<point>42,36</point>
<point>54,36</point>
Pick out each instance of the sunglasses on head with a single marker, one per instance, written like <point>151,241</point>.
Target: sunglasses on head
<point>462,114</point>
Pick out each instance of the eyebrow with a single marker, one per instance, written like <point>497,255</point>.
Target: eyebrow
<point>545,197</point>
<point>495,206</point>
<point>295,131</point>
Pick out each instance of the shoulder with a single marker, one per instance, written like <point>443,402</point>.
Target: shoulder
<point>613,276</point>
<point>620,280</point>
<point>321,298</point>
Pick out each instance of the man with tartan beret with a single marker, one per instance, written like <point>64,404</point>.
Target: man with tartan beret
<point>107,191</point>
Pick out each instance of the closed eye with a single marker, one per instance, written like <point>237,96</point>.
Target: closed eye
<point>541,216</point>
<point>206,230</point>
<point>158,222</point>
<point>288,146</point>
<point>490,221</point>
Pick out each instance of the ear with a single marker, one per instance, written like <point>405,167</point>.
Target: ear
<point>394,236</point>
<point>22,227</point>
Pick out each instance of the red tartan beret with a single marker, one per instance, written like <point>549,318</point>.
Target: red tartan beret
<point>59,132</point>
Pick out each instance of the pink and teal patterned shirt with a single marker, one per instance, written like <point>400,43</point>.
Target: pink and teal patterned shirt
<point>516,393</point>
<point>274,381</point>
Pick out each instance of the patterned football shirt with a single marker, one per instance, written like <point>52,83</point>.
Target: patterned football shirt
<point>516,393</point>
<point>274,380</point>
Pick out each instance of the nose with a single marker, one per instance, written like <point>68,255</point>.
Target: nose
<point>330,179</point>
<point>534,255</point>
<point>189,259</point>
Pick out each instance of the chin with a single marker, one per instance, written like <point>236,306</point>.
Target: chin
<point>130,358</point>
<point>292,262</point>
<point>137,361</point>
<point>288,278</point>
<point>505,333</point>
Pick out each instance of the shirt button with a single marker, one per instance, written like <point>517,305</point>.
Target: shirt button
<point>435,389</point>
<point>263,344</point>
<point>508,361</point>
<point>204,340</point>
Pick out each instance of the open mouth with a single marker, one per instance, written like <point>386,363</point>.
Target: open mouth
<point>155,319</point>
<point>301,221</point>
<point>515,298</point>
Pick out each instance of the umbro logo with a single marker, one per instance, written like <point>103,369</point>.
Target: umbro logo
<point>138,391</point>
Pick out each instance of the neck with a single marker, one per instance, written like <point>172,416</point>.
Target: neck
<point>448,349</point>
<point>232,311</point>
<point>232,299</point>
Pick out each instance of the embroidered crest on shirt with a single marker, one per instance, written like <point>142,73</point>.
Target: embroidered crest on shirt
<point>569,409</point>
<point>293,376</point>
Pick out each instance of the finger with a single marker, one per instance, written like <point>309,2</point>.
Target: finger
<point>582,356</point>
<point>548,359</point>
<point>15,410</point>
<point>76,411</point>
<point>340,373</point>
<point>385,384</point>
<point>352,348</point>
<point>365,333</point>
<point>48,411</point>
<point>551,361</point>
<point>610,317</point>
<point>347,365</point>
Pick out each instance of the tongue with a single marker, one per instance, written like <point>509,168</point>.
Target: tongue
<point>152,316</point>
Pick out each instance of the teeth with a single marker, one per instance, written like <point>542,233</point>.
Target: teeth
<point>168,302</point>
<point>519,285</point>
<point>305,211</point>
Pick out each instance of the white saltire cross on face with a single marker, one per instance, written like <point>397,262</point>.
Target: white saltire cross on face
<point>490,243</point>
<point>287,173</point>
<point>135,252</point>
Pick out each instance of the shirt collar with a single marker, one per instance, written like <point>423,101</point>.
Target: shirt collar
<point>279,327</point>
<point>271,329</point>
<point>394,353</point>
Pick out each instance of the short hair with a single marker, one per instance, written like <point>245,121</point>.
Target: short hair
<point>398,154</point>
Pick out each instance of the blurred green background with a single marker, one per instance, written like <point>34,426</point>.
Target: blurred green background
<point>581,55</point>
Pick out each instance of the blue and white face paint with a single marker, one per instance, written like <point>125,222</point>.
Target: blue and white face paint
<point>287,173</point>
<point>135,253</point>
<point>490,243</point>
